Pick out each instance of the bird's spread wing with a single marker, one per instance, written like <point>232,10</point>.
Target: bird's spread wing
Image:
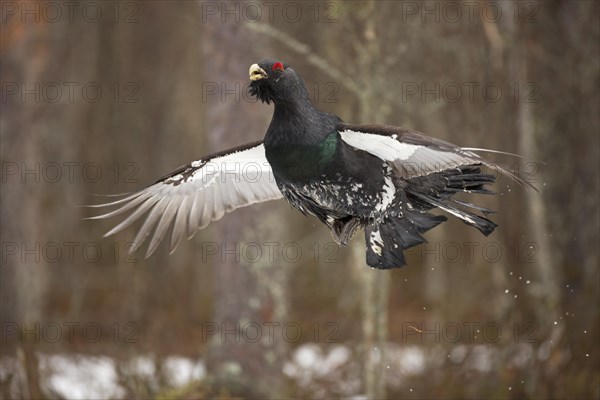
<point>413,153</point>
<point>196,194</point>
<point>432,171</point>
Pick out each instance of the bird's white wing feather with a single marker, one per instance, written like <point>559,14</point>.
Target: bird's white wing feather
<point>410,159</point>
<point>414,154</point>
<point>197,194</point>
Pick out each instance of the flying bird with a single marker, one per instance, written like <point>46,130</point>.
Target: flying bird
<point>383,179</point>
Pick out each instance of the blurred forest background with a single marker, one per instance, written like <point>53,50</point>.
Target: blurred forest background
<point>106,97</point>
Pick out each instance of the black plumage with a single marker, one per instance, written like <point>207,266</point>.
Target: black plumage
<point>381,178</point>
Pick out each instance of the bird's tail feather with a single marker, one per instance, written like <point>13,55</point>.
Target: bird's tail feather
<point>387,240</point>
<point>436,190</point>
<point>509,174</point>
<point>498,167</point>
<point>483,224</point>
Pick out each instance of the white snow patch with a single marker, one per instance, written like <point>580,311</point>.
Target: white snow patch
<point>81,377</point>
<point>481,358</point>
<point>412,360</point>
<point>337,356</point>
<point>307,355</point>
<point>180,370</point>
<point>458,354</point>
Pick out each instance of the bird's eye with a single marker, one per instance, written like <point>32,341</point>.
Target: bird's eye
<point>277,67</point>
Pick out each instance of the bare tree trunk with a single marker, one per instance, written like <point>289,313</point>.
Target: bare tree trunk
<point>376,284</point>
<point>546,289</point>
<point>26,273</point>
<point>374,302</point>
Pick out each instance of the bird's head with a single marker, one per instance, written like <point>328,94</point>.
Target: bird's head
<point>274,81</point>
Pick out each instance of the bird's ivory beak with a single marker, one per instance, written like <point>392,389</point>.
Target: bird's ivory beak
<point>256,73</point>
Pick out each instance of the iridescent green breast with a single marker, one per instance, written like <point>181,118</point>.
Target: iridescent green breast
<point>303,161</point>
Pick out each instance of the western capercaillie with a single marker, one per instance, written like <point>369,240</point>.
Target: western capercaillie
<point>384,179</point>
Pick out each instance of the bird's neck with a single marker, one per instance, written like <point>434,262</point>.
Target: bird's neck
<point>297,121</point>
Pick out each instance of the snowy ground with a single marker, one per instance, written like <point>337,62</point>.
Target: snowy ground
<point>90,377</point>
<point>316,369</point>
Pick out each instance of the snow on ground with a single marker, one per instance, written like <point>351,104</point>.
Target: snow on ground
<point>181,371</point>
<point>320,370</point>
<point>81,377</point>
<point>92,377</point>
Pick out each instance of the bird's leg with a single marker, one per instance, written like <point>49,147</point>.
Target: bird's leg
<point>343,229</point>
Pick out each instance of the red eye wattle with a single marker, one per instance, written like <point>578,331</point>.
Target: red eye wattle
<point>277,66</point>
